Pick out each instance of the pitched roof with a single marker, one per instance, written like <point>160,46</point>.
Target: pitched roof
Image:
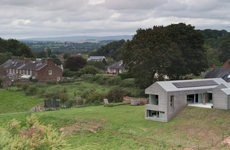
<point>117,65</point>
<point>169,86</point>
<point>20,64</point>
<point>223,73</point>
<point>33,65</point>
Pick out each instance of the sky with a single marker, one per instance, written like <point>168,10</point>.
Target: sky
<point>20,19</point>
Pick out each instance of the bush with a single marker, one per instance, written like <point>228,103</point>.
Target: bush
<point>127,83</point>
<point>25,87</point>
<point>86,94</point>
<point>68,73</point>
<point>124,75</point>
<point>51,82</point>
<point>116,95</point>
<point>115,80</point>
<point>89,70</point>
<point>33,136</point>
<point>70,103</point>
<point>19,85</point>
<point>32,89</point>
<point>95,97</point>
<point>102,80</point>
<point>63,97</point>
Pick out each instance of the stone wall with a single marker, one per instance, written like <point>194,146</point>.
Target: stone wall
<point>127,99</point>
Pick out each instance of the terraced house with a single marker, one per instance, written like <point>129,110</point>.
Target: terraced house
<point>44,70</point>
<point>168,98</point>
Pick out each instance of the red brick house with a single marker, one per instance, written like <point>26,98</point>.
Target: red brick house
<point>43,70</point>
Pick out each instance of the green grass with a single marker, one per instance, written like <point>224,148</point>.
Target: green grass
<point>124,127</point>
<point>11,102</point>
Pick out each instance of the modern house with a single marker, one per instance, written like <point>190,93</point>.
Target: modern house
<point>43,70</point>
<point>168,98</point>
<point>96,58</point>
<point>116,68</point>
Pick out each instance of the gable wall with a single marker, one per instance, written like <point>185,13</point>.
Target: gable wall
<point>220,99</point>
<point>43,74</point>
<point>156,89</point>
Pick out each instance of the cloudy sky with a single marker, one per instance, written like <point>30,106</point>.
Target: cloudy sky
<point>54,18</point>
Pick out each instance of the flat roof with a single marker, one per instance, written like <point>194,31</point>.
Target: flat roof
<point>170,87</point>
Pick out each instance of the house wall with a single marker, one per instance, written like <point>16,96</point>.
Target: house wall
<point>156,89</point>
<point>2,71</point>
<point>226,64</point>
<point>43,74</point>
<point>220,99</point>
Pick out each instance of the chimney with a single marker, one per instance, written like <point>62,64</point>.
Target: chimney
<point>43,60</point>
<point>26,60</point>
<point>13,58</point>
<point>49,61</point>
<point>213,66</point>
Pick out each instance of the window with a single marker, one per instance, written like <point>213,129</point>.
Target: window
<point>7,70</point>
<point>27,72</point>
<point>50,72</point>
<point>171,100</point>
<point>17,71</point>
<point>154,99</point>
<point>155,114</point>
<point>23,71</point>
<point>58,78</point>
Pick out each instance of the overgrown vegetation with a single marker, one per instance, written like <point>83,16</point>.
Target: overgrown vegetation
<point>33,135</point>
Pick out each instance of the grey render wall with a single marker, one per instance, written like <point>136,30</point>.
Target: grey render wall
<point>180,101</point>
<point>220,99</point>
<point>156,89</point>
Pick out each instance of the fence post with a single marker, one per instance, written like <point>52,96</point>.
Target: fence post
<point>222,136</point>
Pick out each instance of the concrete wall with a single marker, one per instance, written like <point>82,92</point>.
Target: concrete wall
<point>220,99</point>
<point>156,89</point>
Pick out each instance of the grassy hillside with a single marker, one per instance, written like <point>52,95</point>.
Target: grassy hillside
<point>11,102</point>
<point>124,127</point>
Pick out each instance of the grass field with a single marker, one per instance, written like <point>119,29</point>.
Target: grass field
<point>11,102</point>
<point>124,127</point>
<point>119,127</point>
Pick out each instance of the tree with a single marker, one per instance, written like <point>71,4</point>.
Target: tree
<point>89,70</point>
<point>224,48</point>
<point>75,63</point>
<point>41,54</point>
<point>49,52</point>
<point>66,55</point>
<point>56,60</point>
<point>174,50</point>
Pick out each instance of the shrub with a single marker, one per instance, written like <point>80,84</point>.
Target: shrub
<point>70,103</point>
<point>89,70</point>
<point>19,85</point>
<point>33,136</point>
<point>127,83</point>
<point>63,97</point>
<point>51,82</point>
<point>86,94</point>
<point>114,80</point>
<point>32,89</point>
<point>80,101</point>
<point>124,75</point>
<point>116,95</point>
<point>95,97</point>
<point>68,73</point>
<point>102,80</point>
<point>25,87</point>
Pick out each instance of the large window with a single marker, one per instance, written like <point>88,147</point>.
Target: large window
<point>156,114</point>
<point>154,99</point>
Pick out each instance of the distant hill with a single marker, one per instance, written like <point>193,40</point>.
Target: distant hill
<point>81,38</point>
